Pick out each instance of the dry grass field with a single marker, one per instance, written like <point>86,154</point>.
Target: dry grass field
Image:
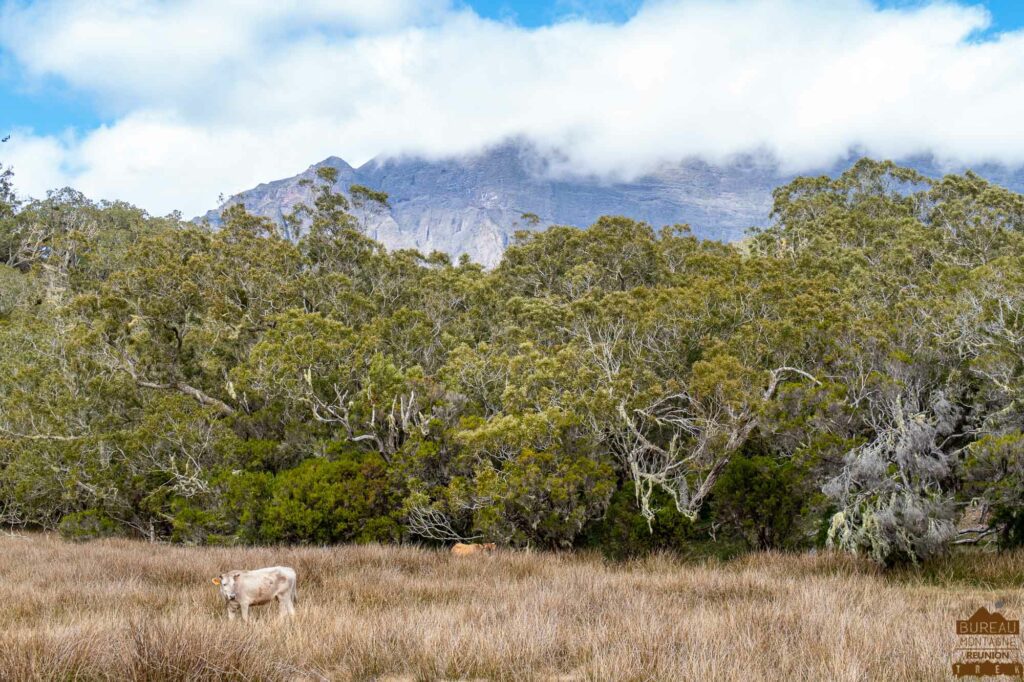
<point>131,610</point>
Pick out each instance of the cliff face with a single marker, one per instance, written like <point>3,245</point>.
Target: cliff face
<point>473,204</point>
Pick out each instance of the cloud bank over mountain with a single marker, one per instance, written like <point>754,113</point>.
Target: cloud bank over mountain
<point>214,96</point>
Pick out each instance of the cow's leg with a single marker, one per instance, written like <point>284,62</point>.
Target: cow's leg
<point>245,611</point>
<point>231,613</point>
<point>283,605</point>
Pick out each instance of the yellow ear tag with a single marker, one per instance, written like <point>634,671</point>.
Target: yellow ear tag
<point>216,581</point>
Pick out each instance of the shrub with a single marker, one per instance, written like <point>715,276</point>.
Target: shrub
<point>891,493</point>
<point>350,499</point>
<point>761,498</point>
<point>90,524</point>
<point>1010,521</point>
<point>542,498</point>
<point>244,496</point>
<point>994,473</point>
<point>623,532</point>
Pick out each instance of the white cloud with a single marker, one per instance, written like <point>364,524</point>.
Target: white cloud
<point>214,96</point>
<point>39,162</point>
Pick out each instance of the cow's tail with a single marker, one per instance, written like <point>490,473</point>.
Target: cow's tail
<point>295,592</point>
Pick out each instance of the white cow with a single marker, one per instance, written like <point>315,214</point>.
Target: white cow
<point>242,589</point>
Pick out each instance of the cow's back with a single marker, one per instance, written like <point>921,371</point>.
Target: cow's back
<point>264,584</point>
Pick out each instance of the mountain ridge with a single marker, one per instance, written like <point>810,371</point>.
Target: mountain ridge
<point>473,204</point>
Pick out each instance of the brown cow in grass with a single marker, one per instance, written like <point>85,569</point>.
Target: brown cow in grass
<point>462,549</point>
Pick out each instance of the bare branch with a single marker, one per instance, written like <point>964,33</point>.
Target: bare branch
<point>978,535</point>
<point>41,436</point>
<point>433,524</point>
<point>204,399</point>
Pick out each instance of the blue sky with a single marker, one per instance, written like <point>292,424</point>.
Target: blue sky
<point>169,103</point>
<point>1006,14</point>
<point>531,13</point>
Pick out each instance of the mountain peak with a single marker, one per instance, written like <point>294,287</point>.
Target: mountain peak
<point>333,162</point>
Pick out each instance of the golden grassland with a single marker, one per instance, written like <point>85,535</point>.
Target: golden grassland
<point>122,609</point>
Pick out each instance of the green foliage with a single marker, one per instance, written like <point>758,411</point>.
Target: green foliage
<point>541,499</point>
<point>363,196</point>
<point>623,532</point>
<point>350,499</point>
<point>618,387</point>
<point>994,474</point>
<point>762,499</point>
<point>1010,520</point>
<point>531,219</point>
<point>91,524</point>
<point>241,503</point>
<point>14,289</point>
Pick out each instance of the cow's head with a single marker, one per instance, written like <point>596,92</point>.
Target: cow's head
<point>489,546</point>
<point>226,583</point>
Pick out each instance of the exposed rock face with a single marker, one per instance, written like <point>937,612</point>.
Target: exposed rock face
<point>473,204</point>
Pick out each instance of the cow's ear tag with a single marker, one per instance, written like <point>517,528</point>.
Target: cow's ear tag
<point>216,581</point>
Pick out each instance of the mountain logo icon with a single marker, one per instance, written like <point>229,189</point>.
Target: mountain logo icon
<point>984,622</point>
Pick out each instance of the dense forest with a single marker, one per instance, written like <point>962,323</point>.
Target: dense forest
<point>849,375</point>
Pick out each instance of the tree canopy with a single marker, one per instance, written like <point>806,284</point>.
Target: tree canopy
<point>850,374</point>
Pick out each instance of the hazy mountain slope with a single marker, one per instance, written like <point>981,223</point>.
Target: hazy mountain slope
<point>474,204</point>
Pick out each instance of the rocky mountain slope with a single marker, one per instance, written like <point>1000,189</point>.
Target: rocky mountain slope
<point>473,204</point>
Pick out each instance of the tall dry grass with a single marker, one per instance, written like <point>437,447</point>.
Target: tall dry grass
<point>130,610</point>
